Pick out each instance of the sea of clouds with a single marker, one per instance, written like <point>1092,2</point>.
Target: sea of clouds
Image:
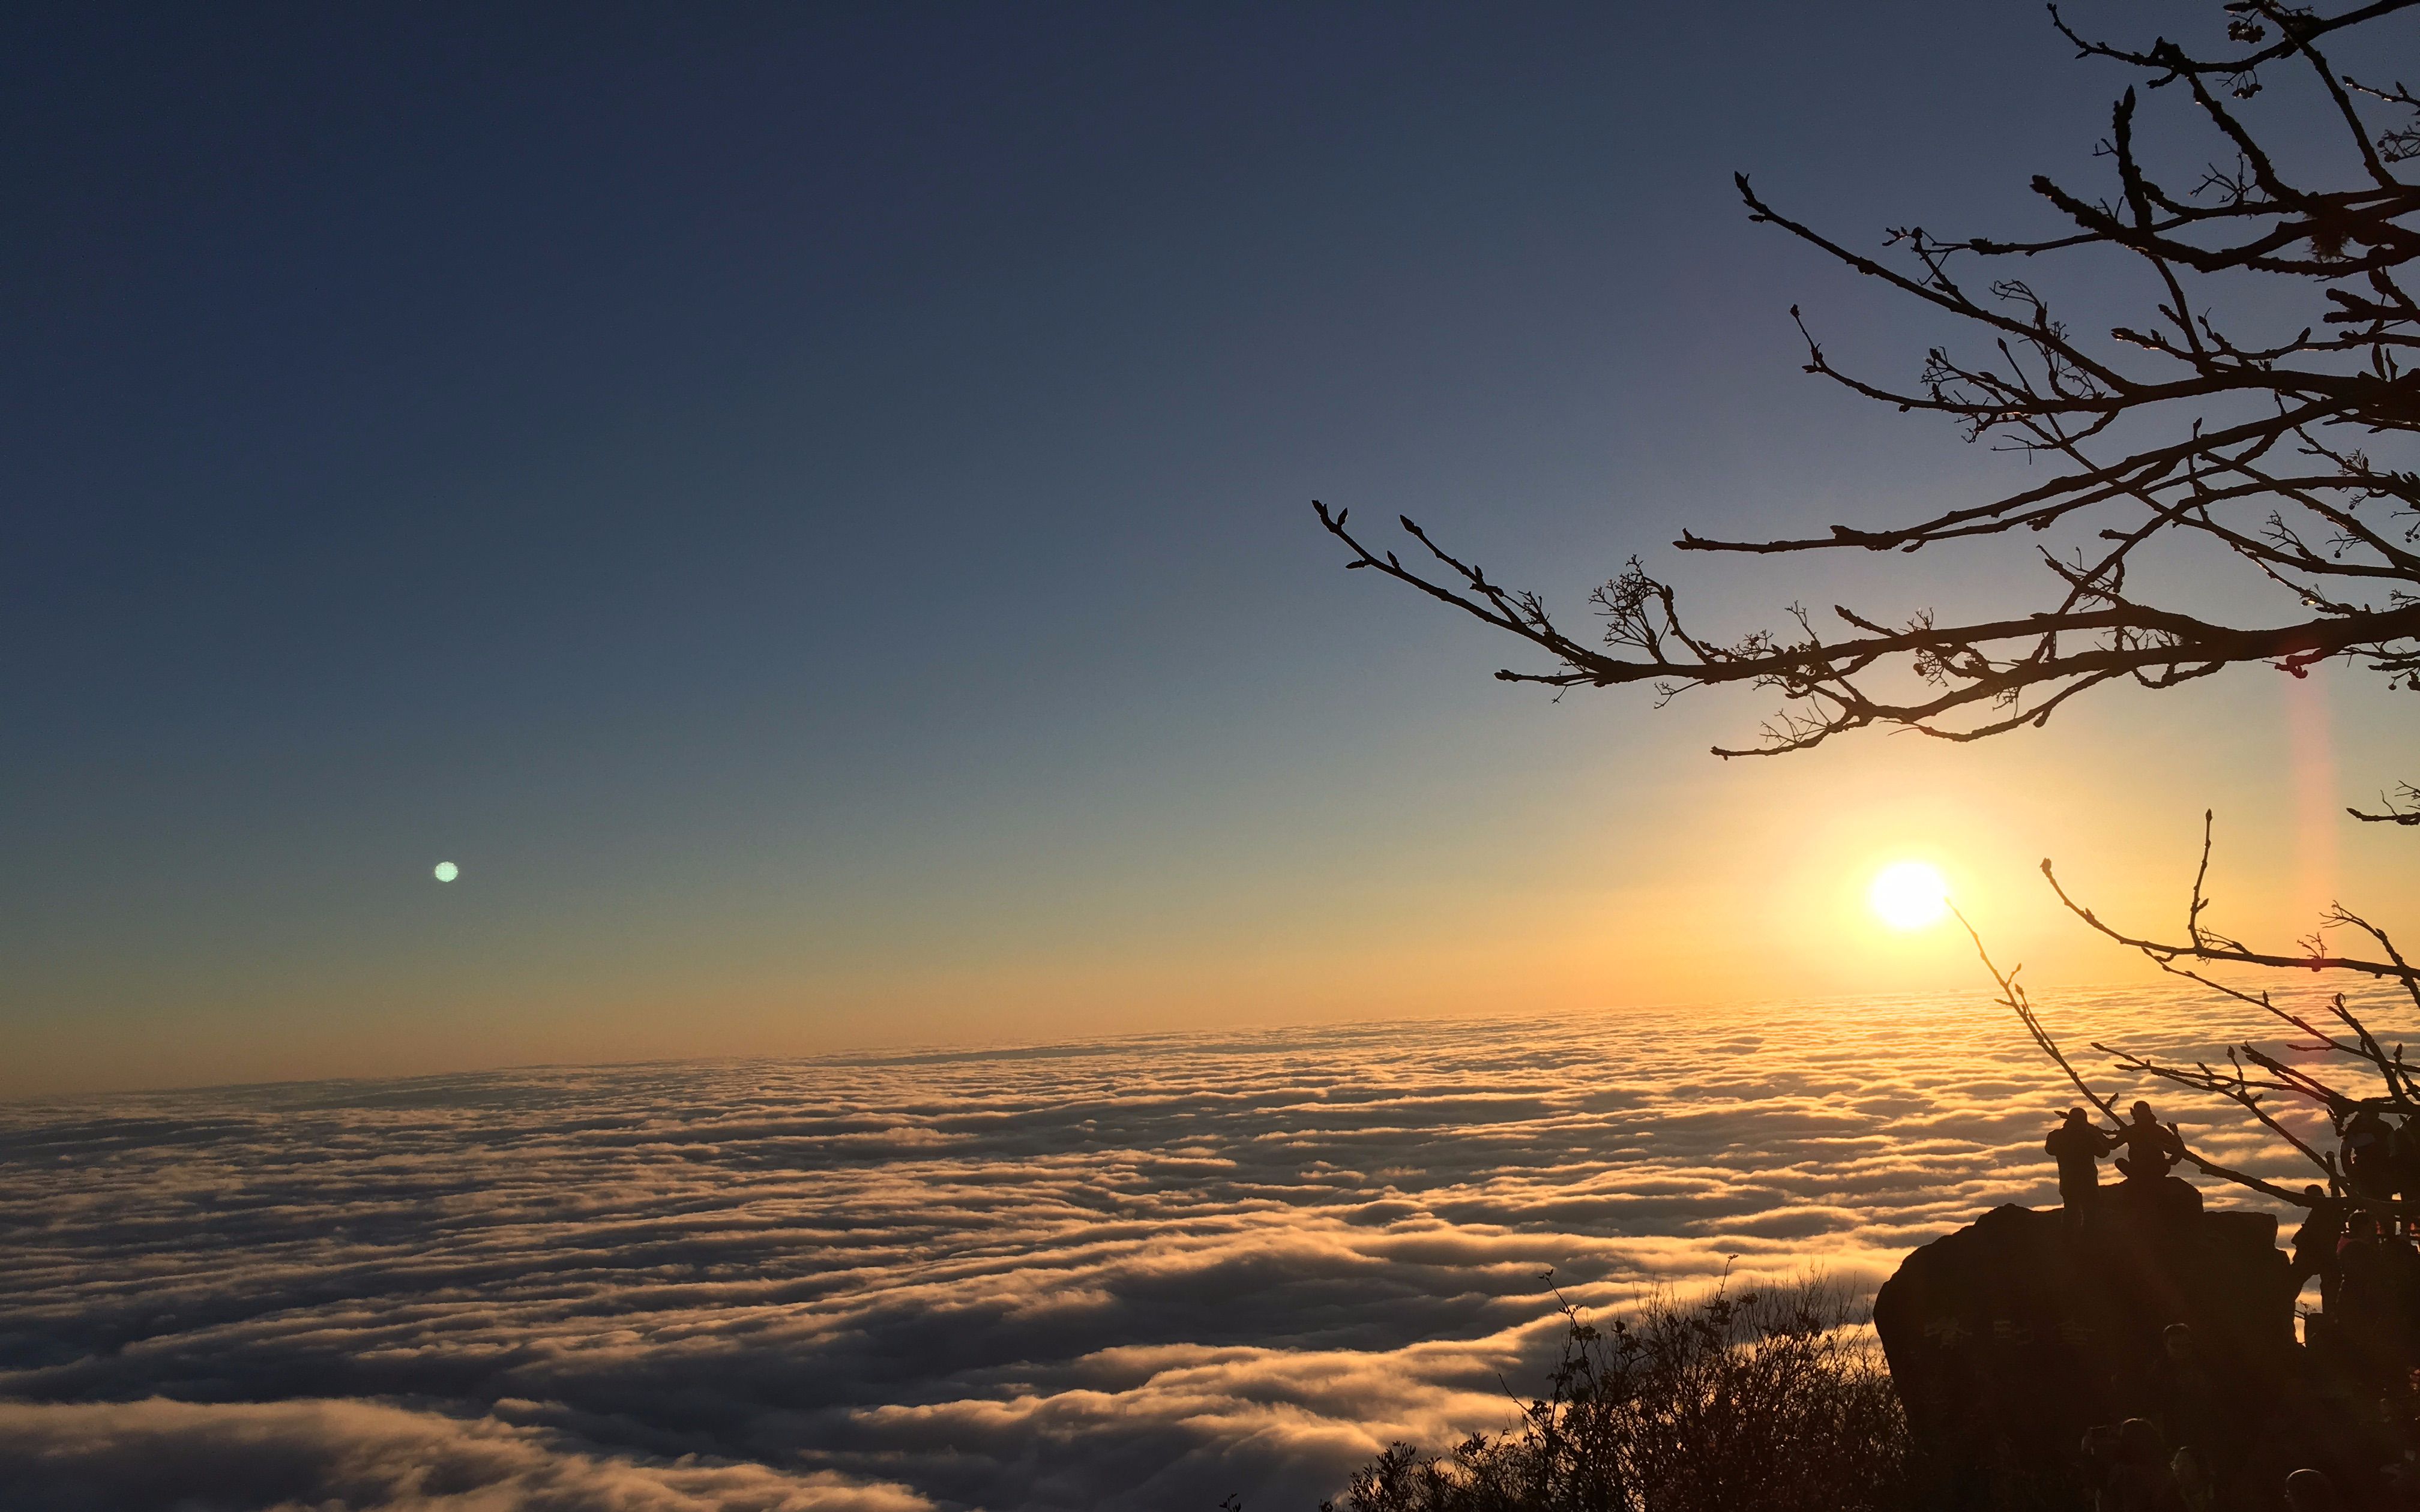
<point>1147,1273</point>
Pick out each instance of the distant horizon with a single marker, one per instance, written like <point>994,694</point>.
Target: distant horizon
<point>2150,987</point>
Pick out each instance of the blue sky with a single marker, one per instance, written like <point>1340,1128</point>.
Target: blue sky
<point>809,507</point>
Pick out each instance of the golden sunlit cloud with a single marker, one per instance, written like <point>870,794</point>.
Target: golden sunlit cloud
<point>1909,895</point>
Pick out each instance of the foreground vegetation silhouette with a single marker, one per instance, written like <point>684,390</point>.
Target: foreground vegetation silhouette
<point>1774,1399</point>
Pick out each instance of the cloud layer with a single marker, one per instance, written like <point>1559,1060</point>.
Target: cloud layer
<point>1138,1273</point>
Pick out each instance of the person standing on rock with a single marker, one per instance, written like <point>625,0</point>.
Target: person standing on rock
<point>2378,1288</point>
<point>2368,1155</point>
<point>2316,1243</point>
<point>2152,1147</point>
<point>2403,1160</point>
<point>2077,1145</point>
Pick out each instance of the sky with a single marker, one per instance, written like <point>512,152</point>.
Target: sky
<point>809,508</point>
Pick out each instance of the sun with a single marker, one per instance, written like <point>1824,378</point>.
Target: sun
<point>1909,895</point>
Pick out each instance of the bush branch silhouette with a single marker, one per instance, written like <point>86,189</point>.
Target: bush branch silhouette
<point>1775,1399</point>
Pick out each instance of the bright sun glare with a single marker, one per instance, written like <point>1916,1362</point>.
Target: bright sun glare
<point>1909,895</point>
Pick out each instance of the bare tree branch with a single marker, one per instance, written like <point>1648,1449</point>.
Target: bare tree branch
<point>2204,441</point>
<point>2013,997</point>
<point>2252,1077</point>
<point>2182,432</point>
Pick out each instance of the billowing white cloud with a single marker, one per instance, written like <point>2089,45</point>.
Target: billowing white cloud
<point>1140,1274</point>
<point>301,1456</point>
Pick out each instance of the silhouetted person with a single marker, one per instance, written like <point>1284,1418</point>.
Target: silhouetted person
<point>2189,1405</point>
<point>2077,1145</point>
<point>2402,1478</point>
<point>2369,1153</point>
<point>2399,1479</point>
<point>2315,1244</point>
<point>2100,1458</point>
<point>2403,1162</point>
<point>2190,1473</point>
<point>2138,1482</point>
<point>2152,1147</point>
<point>2308,1490</point>
<point>2378,1286</point>
<point>2360,1229</point>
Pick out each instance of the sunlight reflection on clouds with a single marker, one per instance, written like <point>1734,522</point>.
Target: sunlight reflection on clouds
<point>1135,1274</point>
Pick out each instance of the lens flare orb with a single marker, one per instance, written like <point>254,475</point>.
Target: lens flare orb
<point>1909,895</point>
<point>447,870</point>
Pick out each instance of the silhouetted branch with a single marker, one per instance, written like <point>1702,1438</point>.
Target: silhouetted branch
<point>2396,969</point>
<point>2339,1032</point>
<point>2013,997</point>
<point>2236,442</point>
<point>2206,430</point>
<point>2402,807</point>
<point>2237,1088</point>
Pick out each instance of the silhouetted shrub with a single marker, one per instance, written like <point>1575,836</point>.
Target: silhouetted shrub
<point>1775,1400</point>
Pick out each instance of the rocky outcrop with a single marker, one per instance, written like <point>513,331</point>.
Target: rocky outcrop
<point>2009,1337</point>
